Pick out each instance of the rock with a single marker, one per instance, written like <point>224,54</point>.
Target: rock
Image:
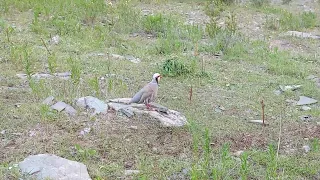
<point>170,119</point>
<point>48,101</point>
<point>305,108</point>
<point>306,118</point>
<point>70,110</point>
<point>290,88</point>
<point>306,148</point>
<point>131,172</point>
<point>92,103</point>
<point>3,132</point>
<point>55,39</point>
<point>238,153</point>
<point>59,106</point>
<point>277,92</point>
<point>306,100</point>
<point>43,166</point>
<point>258,122</point>
<point>85,131</point>
<point>301,34</point>
<point>133,127</point>
<point>65,75</point>
<point>219,109</point>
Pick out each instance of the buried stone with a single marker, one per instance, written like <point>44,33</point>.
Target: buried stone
<point>50,166</point>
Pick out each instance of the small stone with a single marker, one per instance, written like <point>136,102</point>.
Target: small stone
<point>70,110</point>
<point>133,127</point>
<point>305,108</point>
<point>306,100</point>
<point>238,153</point>
<point>59,106</point>
<point>306,148</point>
<point>85,131</point>
<point>154,149</point>
<point>277,92</point>
<point>258,122</point>
<point>306,118</point>
<point>290,88</point>
<point>55,39</point>
<point>3,132</point>
<point>48,101</point>
<point>131,172</point>
<point>32,133</point>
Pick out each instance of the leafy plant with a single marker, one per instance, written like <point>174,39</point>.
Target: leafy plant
<point>52,62</point>
<point>244,166</point>
<point>75,70</point>
<point>94,83</point>
<point>174,67</point>
<point>272,163</point>
<point>84,153</point>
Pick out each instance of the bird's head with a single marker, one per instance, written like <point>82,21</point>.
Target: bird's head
<point>156,77</point>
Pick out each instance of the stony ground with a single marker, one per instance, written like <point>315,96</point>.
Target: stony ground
<point>227,88</point>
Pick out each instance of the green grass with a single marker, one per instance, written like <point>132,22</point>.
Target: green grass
<point>224,66</point>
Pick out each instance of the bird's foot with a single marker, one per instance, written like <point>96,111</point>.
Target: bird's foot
<point>149,107</point>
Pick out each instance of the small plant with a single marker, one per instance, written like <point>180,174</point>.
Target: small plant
<point>46,113</point>
<point>174,67</point>
<point>75,70</point>
<point>272,163</point>
<point>84,154</point>
<point>212,28</point>
<point>195,33</point>
<point>52,62</point>
<point>315,145</point>
<point>157,24</point>
<point>231,23</point>
<point>9,31</point>
<point>26,61</point>
<point>272,23</point>
<point>94,84</point>
<point>38,87</point>
<point>244,166</point>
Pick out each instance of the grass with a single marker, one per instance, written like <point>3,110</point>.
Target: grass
<point>222,62</point>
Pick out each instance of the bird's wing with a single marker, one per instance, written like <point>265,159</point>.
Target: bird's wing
<point>143,94</point>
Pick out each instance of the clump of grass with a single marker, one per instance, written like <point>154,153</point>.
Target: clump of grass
<point>289,21</point>
<point>84,154</point>
<point>52,62</point>
<point>174,67</point>
<point>272,163</point>
<point>9,31</point>
<point>75,70</point>
<point>94,84</point>
<point>169,45</point>
<point>244,170</point>
<point>157,24</point>
<point>46,113</point>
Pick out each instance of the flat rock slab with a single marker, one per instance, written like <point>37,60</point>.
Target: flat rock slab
<point>92,103</point>
<point>305,101</point>
<point>301,34</point>
<point>165,116</point>
<point>44,166</point>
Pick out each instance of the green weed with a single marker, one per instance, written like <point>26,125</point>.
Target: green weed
<point>46,113</point>
<point>94,84</point>
<point>84,154</point>
<point>174,67</point>
<point>158,25</point>
<point>272,163</point>
<point>52,62</point>
<point>244,170</point>
<point>75,70</point>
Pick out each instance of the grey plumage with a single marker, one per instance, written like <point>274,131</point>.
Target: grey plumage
<point>148,93</point>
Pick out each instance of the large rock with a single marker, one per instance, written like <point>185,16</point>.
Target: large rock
<point>44,166</point>
<point>165,116</point>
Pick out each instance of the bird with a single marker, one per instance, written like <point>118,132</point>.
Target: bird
<point>148,93</point>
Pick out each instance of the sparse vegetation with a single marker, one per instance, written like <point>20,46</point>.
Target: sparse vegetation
<point>219,48</point>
